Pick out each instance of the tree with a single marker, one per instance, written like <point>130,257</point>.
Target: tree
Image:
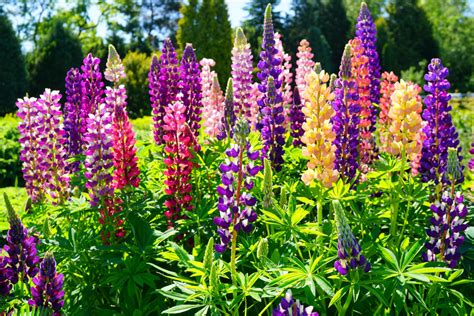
<point>53,57</point>
<point>188,26</point>
<point>12,67</point>
<point>136,68</point>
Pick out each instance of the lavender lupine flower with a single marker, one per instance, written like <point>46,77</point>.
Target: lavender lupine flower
<point>348,249</point>
<point>73,123</point>
<point>229,118</point>
<point>51,141</point>
<point>92,89</point>
<point>447,224</point>
<point>48,290</point>
<point>269,65</point>
<point>163,80</point>
<point>297,119</point>
<point>439,130</point>
<point>273,130</point>
<point>21,261</point>
<point>367,33</point>
<point>289,307</point>
<point>236,203</point>
<point>242,68</point>
<point>346,120</point>
<point>29,153</point>
<point>191,90</point>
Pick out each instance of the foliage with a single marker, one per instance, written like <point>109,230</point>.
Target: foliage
<point>10,166</point>
<point>12,67</point>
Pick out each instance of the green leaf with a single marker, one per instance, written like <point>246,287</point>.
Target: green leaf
<point>390,257</point>
<point>337,296</point>
<point>411,254</point>
<point>181,308</point>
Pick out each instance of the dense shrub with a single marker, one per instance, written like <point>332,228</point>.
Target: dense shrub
<point>10,167</point>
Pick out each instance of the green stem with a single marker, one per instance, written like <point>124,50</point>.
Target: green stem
<point>347,303</point>
<point>233,269</point>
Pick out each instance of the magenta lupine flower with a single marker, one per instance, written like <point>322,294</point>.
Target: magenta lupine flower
<point>212,99</point>
<point>73,121</point>
<point>191,89</point>
<point>126,172</point>
<point>286,76</point>
<point>297,119</point>
<point>348,249</point>
<point>439,130</point>
<point>21,261</point>
<point>366,31</point>
<point>471,162</point>
<point>51,141</point>
<point>346,120</point>
<point>30,149</point>
<point>92,89</point>
<point>163,86</point>
<point>5,286</point>
<point>255,95</point>
<point>304,65</point>
<point>48,290</point>
<point>289,307</point>
<point>242,68</point>
<point>179,145</point>
<point>236,203</point>
<point>228,119</point>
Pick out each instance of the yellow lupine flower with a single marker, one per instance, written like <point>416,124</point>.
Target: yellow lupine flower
<point>318,136</point>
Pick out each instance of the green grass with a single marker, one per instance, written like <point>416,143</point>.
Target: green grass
<point>17,197</point>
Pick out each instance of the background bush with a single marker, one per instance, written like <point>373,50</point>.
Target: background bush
<point>10,165</point>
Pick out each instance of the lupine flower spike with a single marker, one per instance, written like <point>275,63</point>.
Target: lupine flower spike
<point>229,118</point>
<point>346,120</point>
<point>212,99</point>
<point>48,290</point>
<point>92,89</point>
<point>471,162</point>
<point>163,83</point>
<point>289,307</point>
<point>286,76</point>
<point>126,172</point>
<point>304,65</point>
<point>318,131</point>
<point>21,262</point>
<point>440,131</point>
<point>297,119</point>
<point>387,86</point>
<point>236,203</point>
<point>242,68</point>
<point>405,132</point>
<point>191,88</point>
<point>179,146</point>
<point>348,249</point>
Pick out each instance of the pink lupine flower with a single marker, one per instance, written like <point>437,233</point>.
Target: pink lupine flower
<point>179,146</point>
<point>304,65</point>
<point>212,99</point>
<point>286,76</point>
<point>255,95</point>
<point>387,86</point>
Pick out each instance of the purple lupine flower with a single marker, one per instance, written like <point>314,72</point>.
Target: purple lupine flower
<point>272,122</point>
<point>236,203</point>
<point>471,162</point>
<point>229,118</point>
<point>29,153</point>
<point>366,31</point>
<point>5,275</point>
<point>51,141</point>
<point>21,261</point>
<point>48,290</point>
<point>72,118</point>
<point>447,224</point>
<point>289,307</point>
<point>346,120</point>
<point>269,66</point>
<point>92,89</point>
<point>297,119</point>
<point>348,249</point>
<point>439,130</point>
<point>163,86</point>
<point>191,89</point>
<point>242,68</point>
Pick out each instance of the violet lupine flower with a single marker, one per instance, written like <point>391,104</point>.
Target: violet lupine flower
<point>51,141</point>
<point>439,130</point>
<point>126,172</point>
<point>366,31</point>
<point>273,130</point>
<point>447,224</point>
<point>229,118</point>
<point>242,68</point>
<point>30,149</point>
<point>297,119</point>
<point>191,88</point>
<point>92,89</point>
<point>289,307</point>
<point>471,162</point>
<point>286,76</point>
<point>346,120</point>
<point>348,249</point>
<point>269,66</point>
<point>21,261</point>
<point>73,121</point>
<point>163,86</point>
<point>236,203</point>
<point>5,286</point>
<point>48,290</point>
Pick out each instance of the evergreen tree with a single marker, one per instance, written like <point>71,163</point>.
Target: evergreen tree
<point>12,67</point>
<point>55,55</point>
<point>188,26</point>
